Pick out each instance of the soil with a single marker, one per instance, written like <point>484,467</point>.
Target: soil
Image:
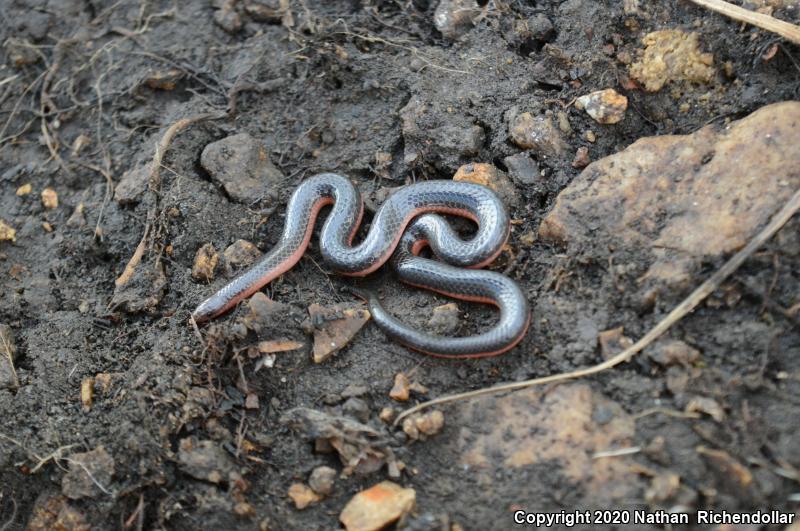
<point>328,86</point>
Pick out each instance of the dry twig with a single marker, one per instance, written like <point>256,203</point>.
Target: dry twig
<point>786,30</point>
<point>680,311</point>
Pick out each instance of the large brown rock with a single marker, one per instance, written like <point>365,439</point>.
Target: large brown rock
<point>674,201</point>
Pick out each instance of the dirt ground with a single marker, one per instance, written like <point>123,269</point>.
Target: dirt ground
<point>182,432</point>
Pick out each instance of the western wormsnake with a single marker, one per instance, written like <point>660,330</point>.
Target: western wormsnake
<point>390,223</point>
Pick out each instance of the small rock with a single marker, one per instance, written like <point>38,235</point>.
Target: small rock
<point>251,401</point>
<point>604,106</point>
<point>164,79</point>
<point>706,405</point>
<point>205,460</point>
<point>241,165</point>
<point>612,342</point>
<point>677,380</point>
<point>445,319</point>
<point>24,190</point>
<point>590,136</point>
<point>205,262</point>
<point>387,414</point>
<point>423,425</point>
<point>377,507</point>
<point>49,198</point>
<point>356,408</point>
<point>334,327</point>
<point>322,479</point>
<point>77,219</point>
<point>239,255</point>
<point>8,354</point>
<point>7,233</point>
<point>529,35</point>
<point>537,133</point>
<point>302,495</point>
<point>662,488</point>
<point>227,18</point>
<point>262,312</point>
<point>673,352</point>
<point>400,391</point>
<point>354,390</point>
<point>672,55</point>
<point>453,18</point>
<point>89,474</point>
<point>132,184</point>
<point>522,168</point>
<point>488,175</point>
<point>581,159</point>
<point>463,141</point>
<point>244,509</point>
<point>259,12</point>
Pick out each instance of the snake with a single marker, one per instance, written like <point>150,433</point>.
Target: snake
<point>404,224</point>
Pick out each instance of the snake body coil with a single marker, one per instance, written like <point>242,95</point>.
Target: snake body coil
<point>468,200</point>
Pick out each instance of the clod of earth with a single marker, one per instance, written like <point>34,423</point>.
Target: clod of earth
<point>322,480</point>
<point>679,200</point>
<point>612,342</point>
<point>668,352</point>
<point>523,169</point>
<point>488,175</point>
<point>377,507</point>
<point>361,448</point>
<point>445,319</point>
<point>132,184</point>
<point>239,255</point>
<point>240,163</point>
<point>334,327</point>
<point>537,133</point>
<point>604,106</point>
<point>206,461</point>
<point>453,18</point>
<point>205,262</point>
<point>672,55</point>
<point>424,425</point>
<point>89,474</point>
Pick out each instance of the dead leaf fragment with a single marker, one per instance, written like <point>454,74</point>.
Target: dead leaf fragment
<point>279,345</point>
<point>8,352</point>
<point>87,392</point>
<point>377,507</point>
<point>706,405</point>
<point>164,79</point>
<point>727,465</point>
<point>334,327</point>
<point>54,512</point>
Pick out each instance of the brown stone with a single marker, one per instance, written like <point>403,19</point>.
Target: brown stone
<point>537,133</point>
<point>488,175</point>
<point>132,184</point>
<point>302,495</point>
<point>680,200</point>
<point>604,106</point>
<point>49,198</point>
<point>400,390</point>
<point>240,163</point>
<point>377,507</point>
<point>239,255</point>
